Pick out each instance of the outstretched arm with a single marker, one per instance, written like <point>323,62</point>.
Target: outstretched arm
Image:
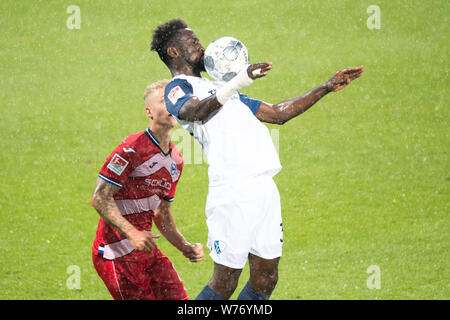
<point>166,225</point>
<point>102,200</point>
<point>281,112</point>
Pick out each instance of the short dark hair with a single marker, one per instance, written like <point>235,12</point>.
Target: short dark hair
<point>163,37</point>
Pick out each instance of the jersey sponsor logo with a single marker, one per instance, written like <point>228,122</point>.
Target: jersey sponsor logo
<point>175,94</point>
<point>117,164</point>
<point>163,183</point>
<point>152,165</point>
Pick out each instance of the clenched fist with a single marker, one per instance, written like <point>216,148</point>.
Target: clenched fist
<point>194,252</point>
<point>142,240</point>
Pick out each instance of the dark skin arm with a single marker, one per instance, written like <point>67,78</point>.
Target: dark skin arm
<point>200,110</point>
<point>284,111</point>
<point>102,200</point>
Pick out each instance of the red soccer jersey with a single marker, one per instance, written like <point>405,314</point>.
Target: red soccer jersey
<point>145,176</point>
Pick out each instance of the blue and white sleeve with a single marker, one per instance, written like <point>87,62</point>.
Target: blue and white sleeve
<point>252,104</point>
<point>177,92</point>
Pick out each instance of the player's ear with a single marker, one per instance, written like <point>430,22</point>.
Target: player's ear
<point>173,52</point>
<point>148,112</point>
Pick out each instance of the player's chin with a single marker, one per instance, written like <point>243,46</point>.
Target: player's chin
<point>172,121</point>
<point>168,122</point>
<point>200,65</point>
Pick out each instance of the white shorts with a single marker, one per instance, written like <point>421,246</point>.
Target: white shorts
<point>244,217</point>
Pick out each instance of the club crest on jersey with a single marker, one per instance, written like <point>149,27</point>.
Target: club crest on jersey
<point>173,169</point>
<point>219,246</point>
<point>175,94</point>
<point>117,164</point>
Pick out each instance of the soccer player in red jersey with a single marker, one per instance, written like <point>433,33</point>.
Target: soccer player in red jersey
<point>135,187</point>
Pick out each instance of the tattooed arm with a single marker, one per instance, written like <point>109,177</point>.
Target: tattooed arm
<point>102,200</point>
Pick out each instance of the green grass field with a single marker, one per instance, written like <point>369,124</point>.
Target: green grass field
<point>366,172</point>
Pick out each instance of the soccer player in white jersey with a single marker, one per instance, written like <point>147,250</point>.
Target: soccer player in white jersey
<point>243,204</point>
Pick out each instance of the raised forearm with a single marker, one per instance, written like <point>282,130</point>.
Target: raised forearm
<point>284,111</point>
<point>293,107</point>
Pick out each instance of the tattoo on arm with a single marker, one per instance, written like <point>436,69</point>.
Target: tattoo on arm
<point>102,200</point>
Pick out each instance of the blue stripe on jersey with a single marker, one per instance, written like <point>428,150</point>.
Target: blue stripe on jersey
<point>152,136</point>
<point>175,101</point>
<point>109,181</point>
<point>252,104</point>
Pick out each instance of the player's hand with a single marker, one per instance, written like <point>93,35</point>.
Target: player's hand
<point>142,240</point>
<point>343,77</point>
<point>194,252</point>
<point>258,70</point>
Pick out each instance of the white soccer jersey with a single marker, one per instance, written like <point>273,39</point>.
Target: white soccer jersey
<point>236,144</point>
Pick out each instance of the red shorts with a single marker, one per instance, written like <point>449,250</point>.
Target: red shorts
<point>140,276</point>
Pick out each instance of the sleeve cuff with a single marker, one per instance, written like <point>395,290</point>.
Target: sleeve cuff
<point>110,181</point>
<point>169,199</point>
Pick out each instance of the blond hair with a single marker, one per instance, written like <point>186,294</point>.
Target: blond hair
<point>153,87</point>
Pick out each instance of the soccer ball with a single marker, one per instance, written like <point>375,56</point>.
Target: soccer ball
<point>224,58</point>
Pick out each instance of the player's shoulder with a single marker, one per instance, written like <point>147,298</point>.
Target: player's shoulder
<point>135,144</point>
<point>176,155</point>
<point>180,81</point>
<point>122,159</point>
<point>133,138</point>
<point>186,83</point>
<point>176,89</point>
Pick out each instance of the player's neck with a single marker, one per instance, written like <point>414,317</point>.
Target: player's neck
<point>186,70</point>
<point>163,134</point>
